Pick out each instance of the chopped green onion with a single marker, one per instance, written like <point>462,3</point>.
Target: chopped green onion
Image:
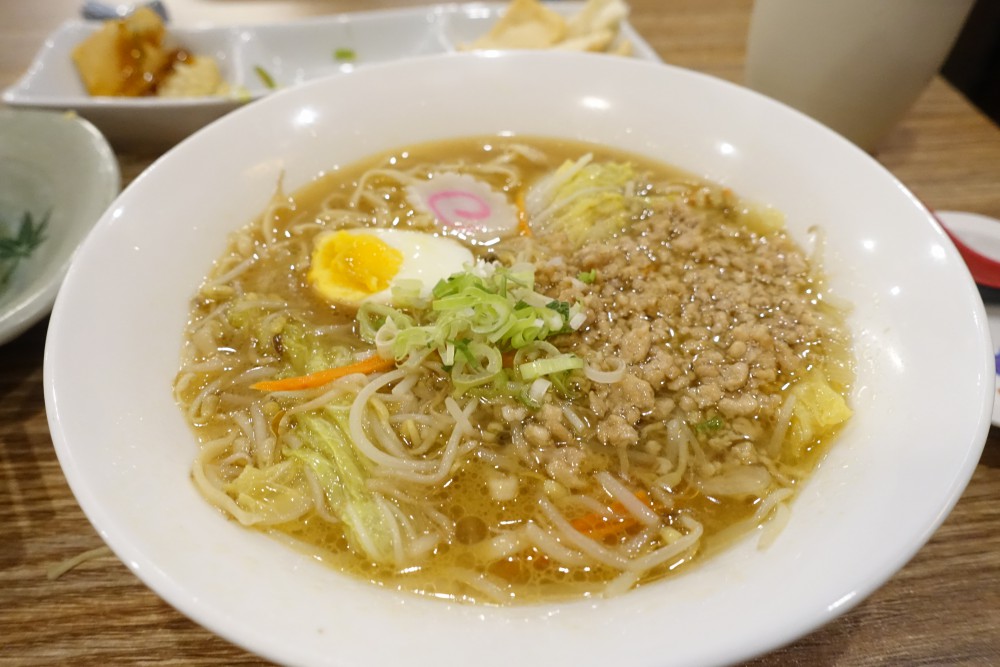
<point>265,77</point>
<point>560,307</point>
<point>587,276</point>
<point>711,424</point>
<point>478,364</point>
<point>470,320</point>
<point>465,353</point>
<point>540,367</point>
<point>538,388</point>
<point>344,54</point>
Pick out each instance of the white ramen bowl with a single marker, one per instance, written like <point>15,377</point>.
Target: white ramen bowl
<point>922,398</point>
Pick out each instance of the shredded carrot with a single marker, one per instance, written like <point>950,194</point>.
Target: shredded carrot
<point>372,364</point>
<point>522,215</point>
<point>598,526</point>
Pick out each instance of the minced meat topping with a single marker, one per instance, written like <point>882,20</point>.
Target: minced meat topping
<point>710,318</point>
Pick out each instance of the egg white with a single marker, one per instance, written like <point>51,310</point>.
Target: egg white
<point>426,258</point>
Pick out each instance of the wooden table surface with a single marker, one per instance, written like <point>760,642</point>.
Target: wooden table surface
<point>942,608</point>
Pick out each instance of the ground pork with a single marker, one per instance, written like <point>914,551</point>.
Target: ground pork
<point>709,318</point>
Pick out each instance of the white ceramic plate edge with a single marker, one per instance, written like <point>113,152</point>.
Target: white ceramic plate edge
<point>291,52</point>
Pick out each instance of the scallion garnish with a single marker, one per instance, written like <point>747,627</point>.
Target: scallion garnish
<point>471,320</point>
<point>265,77</point>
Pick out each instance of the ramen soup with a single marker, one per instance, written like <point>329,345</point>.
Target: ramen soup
<point>506,369</point>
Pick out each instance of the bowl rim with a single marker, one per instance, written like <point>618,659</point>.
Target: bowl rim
<point>41,128</point>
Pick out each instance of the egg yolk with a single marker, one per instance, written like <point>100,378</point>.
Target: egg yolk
<point>350,267</point>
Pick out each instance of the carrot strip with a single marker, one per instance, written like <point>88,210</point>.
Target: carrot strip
<point>598,526</point>
<point>372,364</point>
<point>522,215</point>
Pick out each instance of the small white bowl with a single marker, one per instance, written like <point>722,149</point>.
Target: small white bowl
<point>922,399</point>
<point>51,164</point>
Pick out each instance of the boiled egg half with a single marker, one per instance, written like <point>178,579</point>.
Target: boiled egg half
<point>351,266</point>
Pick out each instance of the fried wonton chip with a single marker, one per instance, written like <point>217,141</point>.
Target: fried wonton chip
<point>124,57</point>
<point>132,57</point>
<point>595,16</point>
<point>599,40</point>
<point>528,24</point>
<point>197,76</point>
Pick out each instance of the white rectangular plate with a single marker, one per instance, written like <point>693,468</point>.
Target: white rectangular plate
<point>290,53</point>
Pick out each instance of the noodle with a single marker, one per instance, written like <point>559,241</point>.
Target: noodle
<point>59,569</point>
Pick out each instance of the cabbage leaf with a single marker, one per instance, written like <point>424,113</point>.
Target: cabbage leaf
<point>301,348</point>
<point>819,409</point>
<point>272,495</point>
<point>586,200</point>
<point>328,451</point>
